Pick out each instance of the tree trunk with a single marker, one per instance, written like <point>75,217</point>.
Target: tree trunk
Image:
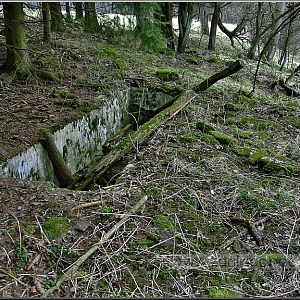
<point>68,13</point>
<point>271,48</point>
<point>79,10</point>
<point>185,15</point>
<point>256,36</point>
<point>57,21</point>
<point>17,56</point>
<point>204,20</point>
<point>283,56</point>
<point>91,21</point>
<point>167,27</point>
<point>213,27</point>
<point>46,21</point>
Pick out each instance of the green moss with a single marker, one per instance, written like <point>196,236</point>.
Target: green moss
<point>163,222</point>
<point>243,151</point>
<point>56,227</point>
<point>63,94</point>
<point>215,292</point>
<point>167,74</point>
<point>192,60</point>
<point>251,101</point>
<point>255,156</point>
<point>269,257</point>
<point>243,134</point>
<point>252,122</point>
<point>209,139</point>
<point>233,107</point>
<point>293,121</point>
<point>166,51</point>
<point>204,127</point>
<point>214,59</point>
<point>188,138</point>
<point>120,63</point>
<point>223,138</point>
<point>279,165</point>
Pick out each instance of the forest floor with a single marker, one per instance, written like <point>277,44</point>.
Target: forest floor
<point>223,209</point>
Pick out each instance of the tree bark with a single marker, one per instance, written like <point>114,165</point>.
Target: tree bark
<point>185,15</point>
<point>16,47</point>
<point>167,11</point>
<point>79,10</point>
<point>91,21</point>
<point>276,21</point>
<point>46,21</point>
<point>213,27</point>
<point>204,20</point>
<point>144,131</point>
<point>57,21</point>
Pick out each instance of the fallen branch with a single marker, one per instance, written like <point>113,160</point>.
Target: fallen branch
<point>96,246</point>
<point>91,204</point>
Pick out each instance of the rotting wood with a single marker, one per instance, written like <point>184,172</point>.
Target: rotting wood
<point>105,238</point>
<point>183,99</point>
<point>61,171</point>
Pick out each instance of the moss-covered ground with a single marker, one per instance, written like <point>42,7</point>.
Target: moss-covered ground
<point>222,180</point>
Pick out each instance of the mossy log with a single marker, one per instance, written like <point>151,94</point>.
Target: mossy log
<point>145,130</point>
<point>233,68</point>
<point>61,171</point>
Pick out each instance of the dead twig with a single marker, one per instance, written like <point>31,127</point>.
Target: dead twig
<point>91,204</point>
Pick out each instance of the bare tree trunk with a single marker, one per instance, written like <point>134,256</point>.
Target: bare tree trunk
<point>278,11</point>
<point>68,13</point>
<point>79,10</point>
<point>91,21</point>
<point>213,27</point>
<point>256,37</point>
<point>185,15</point>
<point>167,27</point>
<point>204,20</point>
<point>16,47</point>
<point>46,21</point>
<point>284,53</point>
<point>57,21</point>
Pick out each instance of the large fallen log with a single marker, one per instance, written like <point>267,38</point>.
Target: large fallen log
<point>146,129</point>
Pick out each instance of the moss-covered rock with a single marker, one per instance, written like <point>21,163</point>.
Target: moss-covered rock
<point>62,94</point>
<point>255,156</point>
<point>223,138</point>
<point>243,151</point>
<point>167,74</point>
<point>252,122</point>
<point>233,107</point>
<point>204,127</point>
<point>56,227</point>
<point>279,165</point>
<point>214,59</point>
<point>209,139</point>
<point>192,60</point>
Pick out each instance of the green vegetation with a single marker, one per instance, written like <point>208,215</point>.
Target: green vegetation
<point>56,227</point>
<point>167,75</point>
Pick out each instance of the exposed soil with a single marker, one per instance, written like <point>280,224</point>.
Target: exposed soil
<point>221,219</point>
